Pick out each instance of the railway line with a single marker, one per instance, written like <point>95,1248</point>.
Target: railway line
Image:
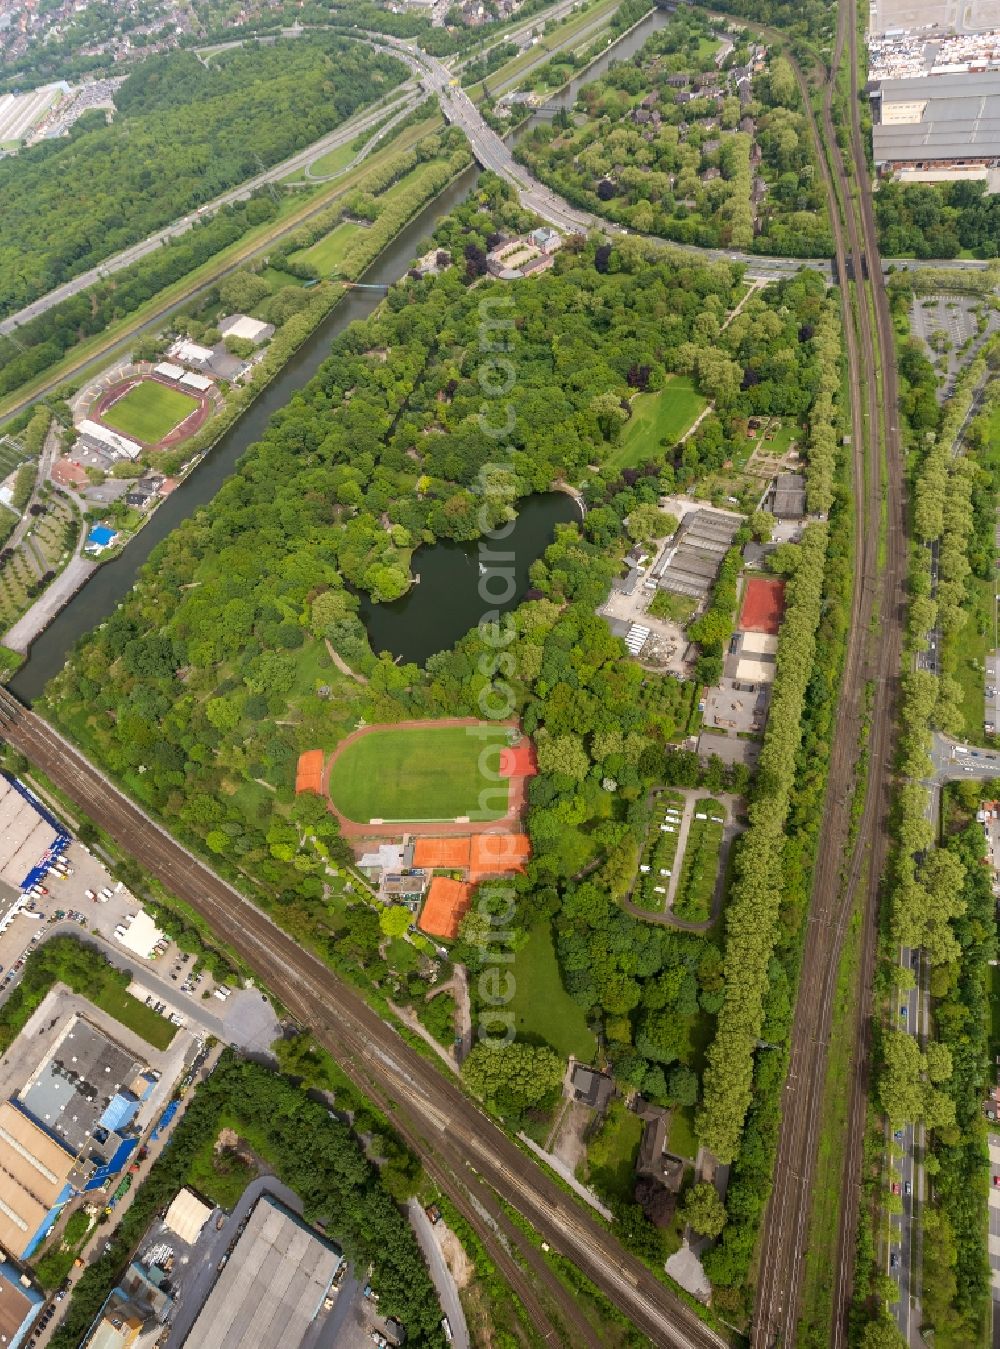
<point>472,1160</point>
<point>877,603</point>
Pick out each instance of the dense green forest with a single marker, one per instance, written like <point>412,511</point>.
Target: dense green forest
<point>668,147</point>
<point>41,342</point>
<point>200,691</point>
<point>316,1155</point>
<point>183,134</point>
<point>937,220</point>
<point>61,55</point>
<point>956,1263</point>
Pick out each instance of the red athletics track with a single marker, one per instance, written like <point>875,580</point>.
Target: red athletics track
<point>509,823</point>
<point>193,422</point>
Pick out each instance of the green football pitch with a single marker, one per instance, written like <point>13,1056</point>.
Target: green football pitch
<point>149,411</point>
<point>419,773</point>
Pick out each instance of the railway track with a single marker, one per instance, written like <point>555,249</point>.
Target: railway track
<point>877,600</point>
<point>471,1159</point>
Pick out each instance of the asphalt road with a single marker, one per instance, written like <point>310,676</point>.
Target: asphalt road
<point>447,1290</point>
<point>954,760</point>
<point>460,1145</point>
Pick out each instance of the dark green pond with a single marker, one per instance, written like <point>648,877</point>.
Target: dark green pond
<point>454,593</point>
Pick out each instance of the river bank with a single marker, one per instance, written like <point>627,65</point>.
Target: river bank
<point>94,601</point>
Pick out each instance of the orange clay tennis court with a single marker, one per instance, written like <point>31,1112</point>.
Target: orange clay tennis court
<point>763,605</point>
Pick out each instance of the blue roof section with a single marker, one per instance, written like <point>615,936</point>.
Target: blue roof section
<point>163,1123</point>
<point>59,844</point>
<point>109,1169</point>
<point>45,1226</point>
<point>101,535</point>
<point>121,1111</point>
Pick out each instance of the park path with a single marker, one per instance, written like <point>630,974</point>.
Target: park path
<point>76,572</point>
<point>682,838</point>
<point>731,829</point>
<point>412,1022</point>
<point>342,664</point>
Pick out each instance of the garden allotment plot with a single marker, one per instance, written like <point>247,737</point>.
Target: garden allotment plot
<point>424,773</point>
<point>149,411</point>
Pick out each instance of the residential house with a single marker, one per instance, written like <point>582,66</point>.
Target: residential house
<point>592,1088</point>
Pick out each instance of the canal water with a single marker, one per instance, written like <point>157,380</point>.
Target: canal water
<point>109,585</point>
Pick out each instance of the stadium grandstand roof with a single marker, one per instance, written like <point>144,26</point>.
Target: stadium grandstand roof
<point>168,371</point>
<point>116,444</point>
<point>200,383</point>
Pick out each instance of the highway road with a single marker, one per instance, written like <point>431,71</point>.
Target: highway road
<point>461,1147</point>
<point>494,154</point>
<point>341,136</point>
<point>489,149</point>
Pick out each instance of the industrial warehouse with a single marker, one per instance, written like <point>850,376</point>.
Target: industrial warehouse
<point>30,841</point>
<point>67,1131</point>
<point>938,128</point>
<point>274,1285</point>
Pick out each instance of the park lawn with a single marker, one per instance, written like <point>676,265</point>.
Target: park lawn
<point>611,1157</point>
<point>428,772</point>
<point>327,254</point>
<point>700,866</point>
<point>333,161</point>
<point>543,1010</point>
<point>149,411</point>
<point>663,415</point>
<point>681,1139</point>
<point>220,1176</point>
<point>994,1011</point>
<point>965,656</point>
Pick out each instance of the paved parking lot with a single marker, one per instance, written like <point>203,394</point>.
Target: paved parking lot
<point>955,317</point>
<point>245,1019</point>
